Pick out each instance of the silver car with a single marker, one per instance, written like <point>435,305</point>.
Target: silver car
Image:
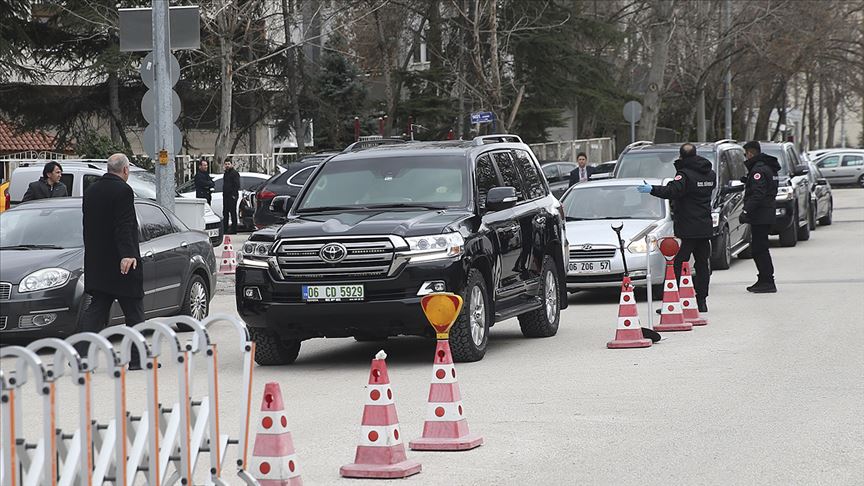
<point>591,209</point>
<point>844,166</point>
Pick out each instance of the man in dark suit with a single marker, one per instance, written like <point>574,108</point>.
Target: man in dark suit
<point>203,182</point>
<point>112,259</point>
<point>48,185</point>
<point>583,171</point>
<point>230,194</point>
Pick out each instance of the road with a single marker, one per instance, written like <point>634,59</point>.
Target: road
<point>770,392</point>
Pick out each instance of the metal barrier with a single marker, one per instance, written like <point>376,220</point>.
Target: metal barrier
<point>598,150</point>
<point>161,444</point>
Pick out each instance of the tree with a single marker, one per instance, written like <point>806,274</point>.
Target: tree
<point>340,93</point>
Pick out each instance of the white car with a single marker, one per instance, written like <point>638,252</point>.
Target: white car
<point>248,181</point>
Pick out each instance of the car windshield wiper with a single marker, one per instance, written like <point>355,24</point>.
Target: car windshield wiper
<point>403,205</point>
<point>31,247</point>
<point>571,218</point>
<point>328,208</point>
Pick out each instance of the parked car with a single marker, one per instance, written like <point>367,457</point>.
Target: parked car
<point>821,197</point>
<point>793,194</point>
<point>731,238</point>
<point>591,208</point>
<point>287,183</point>
<point>558,175</point>
<point>604,168</point>
<point>42,275</point>
<point>843,166</point>
<point>79,174</point>
<point>375,229</point>
<point>248,182</point>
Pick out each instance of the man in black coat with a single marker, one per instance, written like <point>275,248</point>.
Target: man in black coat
<point>583,171</point>
<point>203,182</point>
<point>230,194</point>
<point>48,185</point>
<point>760,191</point>
<point>112,259</point>
<point>690,191</point>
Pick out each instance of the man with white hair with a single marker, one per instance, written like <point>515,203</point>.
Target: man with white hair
<point>112,259</point>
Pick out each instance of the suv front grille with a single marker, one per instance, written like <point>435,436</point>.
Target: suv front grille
<point>3,322</point>
<point>581,254</point>
<point>365,257</point>
<point>5,290</point>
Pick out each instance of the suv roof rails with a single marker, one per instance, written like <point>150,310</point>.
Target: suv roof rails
<point>639,143</point>
<point>500,138</point>
<point>726,140</point>
<point>364,144</point>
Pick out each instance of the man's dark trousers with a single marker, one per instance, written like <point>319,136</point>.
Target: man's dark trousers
<point>97,316</point>
<point>229,209</point>
<point>761,255</point>
<point>700,248</point>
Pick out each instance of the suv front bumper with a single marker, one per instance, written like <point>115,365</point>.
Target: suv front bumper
<point>391,306</point>
<point>785,211</point>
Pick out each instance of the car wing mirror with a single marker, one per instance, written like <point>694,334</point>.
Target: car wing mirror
<point>499,198</point>
<point>801,170</point>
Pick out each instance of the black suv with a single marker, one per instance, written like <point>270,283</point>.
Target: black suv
<point>793,194</point>
<point>375,229</point>
<point>731,238</point>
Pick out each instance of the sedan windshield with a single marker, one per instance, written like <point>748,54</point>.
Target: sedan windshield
<point>41,228</point>
<point>400,182</point>
<point>653,164</point>
<point>612,202</point>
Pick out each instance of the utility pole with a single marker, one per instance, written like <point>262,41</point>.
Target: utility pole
<point>164,124</point>
<point>727,91</point>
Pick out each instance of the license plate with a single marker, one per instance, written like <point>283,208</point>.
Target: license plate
<point>602,266</point>
<point>333,293</point>
<point>213,232</point>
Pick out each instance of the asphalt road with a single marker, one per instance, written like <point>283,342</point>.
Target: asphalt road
<point>770,392</point>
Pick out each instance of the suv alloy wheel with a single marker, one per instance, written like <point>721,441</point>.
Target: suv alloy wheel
<point>470,333</point>
<point>544,321</point>
<point>722,258</point>
<point>789,236</point>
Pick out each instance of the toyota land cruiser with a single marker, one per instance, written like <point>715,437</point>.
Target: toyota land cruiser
<point>376,228</point>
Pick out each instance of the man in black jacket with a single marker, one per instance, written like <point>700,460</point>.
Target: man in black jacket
<point>760,191</point>
<point>112,259</point>
<point>48,185</point>
<point>203,182</point>
<point>690,192</point>
<point>230,194</point>
<point>583,171</point>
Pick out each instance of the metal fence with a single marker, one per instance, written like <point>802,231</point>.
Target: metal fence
<point>598,150</point>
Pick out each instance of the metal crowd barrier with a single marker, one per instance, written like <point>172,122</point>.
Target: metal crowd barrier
<point>161,445</point>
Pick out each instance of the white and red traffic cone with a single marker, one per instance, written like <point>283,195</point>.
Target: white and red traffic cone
<point>671,318</point>
<point>688,298</point>
<point>380,452</point>
<point>274,461</point>
<point>446,428</point>
<point>229,258</point>
<point>629,333</point>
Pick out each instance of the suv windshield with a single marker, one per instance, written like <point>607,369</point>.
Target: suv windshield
<point>653,164</point>
<point>41,228</point>
<point>143,183</point>
<point>612,202</point>
<point>777,153</point>
<point>428,181</point>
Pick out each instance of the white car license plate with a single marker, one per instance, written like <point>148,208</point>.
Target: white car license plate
<point>213,232</point>
<point>333,293</point>
<point>602,266</point>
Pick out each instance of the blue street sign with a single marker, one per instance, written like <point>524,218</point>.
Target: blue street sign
<point>482,117</point>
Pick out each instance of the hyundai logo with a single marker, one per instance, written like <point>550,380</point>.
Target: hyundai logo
<point>333,253</point>
<point>586,247</point>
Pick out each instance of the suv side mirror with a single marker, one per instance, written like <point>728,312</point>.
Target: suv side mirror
<point>280,204</point>
<point>733,187</point>
<point>801,170</point>
<point>500,198</point>
<point>821,182</point>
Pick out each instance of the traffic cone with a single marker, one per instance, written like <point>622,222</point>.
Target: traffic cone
<point>446,428</point>
<point>229,258</point>
<point>629,333</point>
<point>274,462</point>
<point>688,298</point>
<point>380,453</point>
<point>671,318</point>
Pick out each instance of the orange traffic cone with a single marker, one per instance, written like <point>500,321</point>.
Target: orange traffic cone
<point>274,462</point>
<point>629,332</point>
<point>380,453</point>
<point>688,298</point>
<point>229,258</point>
<point>671,318</point>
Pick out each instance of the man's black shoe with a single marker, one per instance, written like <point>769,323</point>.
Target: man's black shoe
<point>750,288</point>
<point>763,288</point>
<point>703,306</point>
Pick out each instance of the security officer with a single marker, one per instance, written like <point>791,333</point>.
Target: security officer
<point>690,192</point>
<point>760,190</point>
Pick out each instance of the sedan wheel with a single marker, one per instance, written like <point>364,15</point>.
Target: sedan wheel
<point>198,300</point>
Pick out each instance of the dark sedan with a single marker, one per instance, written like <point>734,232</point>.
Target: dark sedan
<point>42,268</point>
<point>287,183</point>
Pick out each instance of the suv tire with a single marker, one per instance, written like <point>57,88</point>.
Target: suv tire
<point>811,216</point>
<point>544,322</point>
<point>722,258</point>
<point>789,236</point>
<point>271,350</point>
<point>804,231</point>
<point>470,335</point>
<point>827,219</point>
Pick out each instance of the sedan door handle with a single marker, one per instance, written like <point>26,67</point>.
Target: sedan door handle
<point>148,254</point>
<point>183,244</point>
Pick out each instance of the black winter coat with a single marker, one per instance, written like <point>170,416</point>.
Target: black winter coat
<point>760,189</point>
<point>203,186</point>
<point>111,234</point>
<point>41,190</point>
<point>230,184</point>
<point>690,192</point>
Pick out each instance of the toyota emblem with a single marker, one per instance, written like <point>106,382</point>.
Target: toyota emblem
<point>586,247</point>
<point>333,252</point>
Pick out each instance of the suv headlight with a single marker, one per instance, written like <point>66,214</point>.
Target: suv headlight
<point>256,248</point>
<point>785,193</point>
<point>47,278</point>
<point>715,219</point>
<point>435,247</point>
<point>639,246</point>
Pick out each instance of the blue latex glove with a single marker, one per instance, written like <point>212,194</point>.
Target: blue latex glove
<point>645,188</point>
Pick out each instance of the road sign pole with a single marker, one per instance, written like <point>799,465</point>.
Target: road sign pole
<point>164,119</point>
<point>632,131</point>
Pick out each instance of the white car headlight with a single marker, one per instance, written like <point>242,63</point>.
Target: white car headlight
<point>639,246</point>
<point>47,278</point>
<point>715,219</point>
<point>433,247</point>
